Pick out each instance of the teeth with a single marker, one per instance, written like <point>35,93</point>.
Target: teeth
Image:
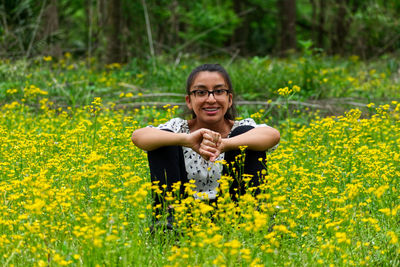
<point>211,109</point>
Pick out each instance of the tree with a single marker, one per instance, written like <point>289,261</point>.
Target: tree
<point>318,22</point>
<point>341,27</point>
<point>51,28</point>
<point>287,17</point>
<point>113,32</point>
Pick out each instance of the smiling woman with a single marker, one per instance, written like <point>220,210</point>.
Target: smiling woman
<point>209,99</point>
<point>183,150</point>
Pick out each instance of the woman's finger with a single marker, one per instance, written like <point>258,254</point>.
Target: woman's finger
<point>208,147</point>
<point>207,142</point>
<point>212,136</point>
<point>208,136</point>
<point>216,137</point>
<point>205,154</point>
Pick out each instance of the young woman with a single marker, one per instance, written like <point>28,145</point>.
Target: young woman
<point>182,150</point>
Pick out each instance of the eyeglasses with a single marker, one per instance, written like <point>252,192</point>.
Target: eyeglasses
<point>218,93</point>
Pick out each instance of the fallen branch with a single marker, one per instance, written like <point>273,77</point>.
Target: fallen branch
<point>239,103</point>
<point>155,95</point>
<point>327,106</point>
<point>131,86</point>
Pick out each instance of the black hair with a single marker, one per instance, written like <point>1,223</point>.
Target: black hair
<point>231,112</point>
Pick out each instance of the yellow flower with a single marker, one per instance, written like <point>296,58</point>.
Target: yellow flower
<point>296,88</point>
<point>393,237</point>
<point>11,91</point>
<point>233,244</point>
<point>386,211</point>
<point>97,101</point>
<point>379,192</point>
<point>284,91</point>
<point>112,238</point>
<point>342,237</point>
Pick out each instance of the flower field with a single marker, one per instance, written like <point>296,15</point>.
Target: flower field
<point>75,191</point>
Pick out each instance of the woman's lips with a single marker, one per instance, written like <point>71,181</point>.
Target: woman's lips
<point>211,111</point>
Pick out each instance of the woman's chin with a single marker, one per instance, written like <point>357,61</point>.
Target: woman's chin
<point>211,119</point>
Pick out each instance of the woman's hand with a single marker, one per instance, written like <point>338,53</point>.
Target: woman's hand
<point>206,143</point>
<point>210,145</point>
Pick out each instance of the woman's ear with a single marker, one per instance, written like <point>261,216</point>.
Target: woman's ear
<point>230,100</point>
<point>188,103</point>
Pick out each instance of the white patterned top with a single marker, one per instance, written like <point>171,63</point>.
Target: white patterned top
<point>205,173</point>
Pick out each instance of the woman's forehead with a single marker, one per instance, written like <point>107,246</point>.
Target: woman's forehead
<point>207,78</point>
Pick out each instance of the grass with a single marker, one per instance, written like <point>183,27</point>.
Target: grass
<point>74,83</point>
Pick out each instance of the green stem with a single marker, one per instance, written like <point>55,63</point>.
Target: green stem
<point>95,131</point>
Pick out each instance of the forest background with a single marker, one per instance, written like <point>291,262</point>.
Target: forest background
<point>121,30</point>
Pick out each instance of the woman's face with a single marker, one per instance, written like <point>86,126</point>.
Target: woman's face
<point>209,108</point>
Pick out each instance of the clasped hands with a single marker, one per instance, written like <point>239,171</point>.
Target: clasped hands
<point>207,143</point>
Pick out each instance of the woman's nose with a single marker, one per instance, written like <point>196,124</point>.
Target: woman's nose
<point>211,98</point>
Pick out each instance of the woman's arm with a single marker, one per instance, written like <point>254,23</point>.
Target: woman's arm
<point>148,138</point>
<point>258,139</point>
<point>152,138</point>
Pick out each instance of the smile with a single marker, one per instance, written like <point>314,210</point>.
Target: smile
<point>211,111</point>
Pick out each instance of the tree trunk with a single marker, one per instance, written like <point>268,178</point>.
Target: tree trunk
<point>113,32</point>
<point>100,31</point>
<point>321,24</point>
<point>240,36</point>
<point>50,28</point>
<point>318,22</point>
<point>340,27</point>
<point>313,20</point>
<point>287,14</point>
<point>174,24</point>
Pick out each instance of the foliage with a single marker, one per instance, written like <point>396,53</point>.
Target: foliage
<point>203,17</point>
<point>370,27</point>
<point>223,27</point>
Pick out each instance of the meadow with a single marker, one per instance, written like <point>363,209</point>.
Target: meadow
<point>75,191</point>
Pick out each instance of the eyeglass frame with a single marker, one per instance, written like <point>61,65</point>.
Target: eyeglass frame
<point>194,92</point>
